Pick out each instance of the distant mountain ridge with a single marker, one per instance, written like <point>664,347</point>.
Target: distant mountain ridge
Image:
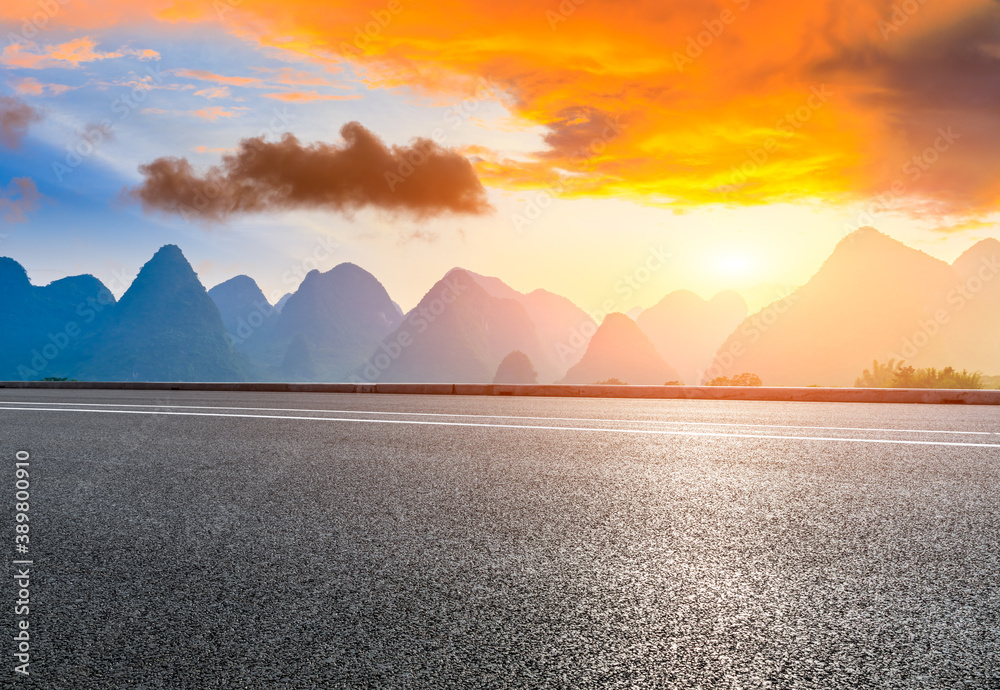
<point>873,298</point>
<point>687,329</point>
<point>974,308</point>
<point>457,333</point>
<point>620,350</point>
<point>328,326</point>
<point>870,298</point>
<point>242,305</point>
<point>164,328</point>
<point>563,328</point>
<point>48,331</point>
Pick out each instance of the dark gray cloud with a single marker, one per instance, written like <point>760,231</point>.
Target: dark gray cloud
<point>15,118</point>
<point>940,96</point>
<point>421,180</point>
<point>581,133</point>
<point>17,199</point>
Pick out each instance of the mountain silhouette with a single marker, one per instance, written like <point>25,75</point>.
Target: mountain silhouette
<point>280,304</point>
<point>563,328</point>
<point>242,305</point>
<point>974,304</point>
<point>458,333</point>
<point>340,317</point>
<point>165,328</point>
<point>298,363</point>
<point>516,368</point>
<point>871,296</point>
<point>622,351</point>
<point>686,329</point>
<point>872,299</point>
<point>48,331</point>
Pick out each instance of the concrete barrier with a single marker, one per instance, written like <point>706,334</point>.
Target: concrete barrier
<point>855,395</point>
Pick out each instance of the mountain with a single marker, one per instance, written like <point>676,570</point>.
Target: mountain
<point>516,368</point>
<point>563,328</point>
<point>621,350</point>
<point>242,305</point>
<point>981,259</point>
<point>298,364</point>
<point>14,282</point>
<point>873,298</point>
<point>687,330</point>
<point>48,331</point>
<point>164,328</point>
<point>458,333</point>
<point>280,304</point>
<point>329,326</point>
<point>975,307</point>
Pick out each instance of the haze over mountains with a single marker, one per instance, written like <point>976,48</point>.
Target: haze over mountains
<point>49,329</point>
<point>687,329</point>
<point>873,298</point>
<point>164,328</point>
<point>335,320</point>
<point>458,333</point>
<point>620,350</point>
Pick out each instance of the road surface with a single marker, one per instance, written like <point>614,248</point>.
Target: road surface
<point>255,540</point>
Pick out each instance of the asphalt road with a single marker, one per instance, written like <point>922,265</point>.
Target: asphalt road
<point>236,540</point>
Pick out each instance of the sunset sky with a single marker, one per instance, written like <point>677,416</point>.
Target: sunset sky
<point>564,145</point>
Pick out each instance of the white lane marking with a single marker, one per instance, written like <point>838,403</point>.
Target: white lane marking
<point>654,432</point>
<point>496,416</point>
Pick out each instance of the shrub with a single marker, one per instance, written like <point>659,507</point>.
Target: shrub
<point>894,375</point>
<point>744,379</point>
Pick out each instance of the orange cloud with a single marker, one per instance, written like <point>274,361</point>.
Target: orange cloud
<point>28,17</point>
<point>207,149</point>
<point>70,54</point>
<point>145,54</point>
<point>29,86</point>
<point>688,103</point>
<point>967,226</point>
<point>214,92</point>
<point>205,75</point>
<point>683,103</point>
<point>214,113</point>
<point>309,96</point>
<point>293,77</point>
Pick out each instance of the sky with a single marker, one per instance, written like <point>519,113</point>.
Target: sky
<point>609,151</point>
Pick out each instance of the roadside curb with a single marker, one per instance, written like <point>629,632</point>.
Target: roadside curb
<point>854,395</point>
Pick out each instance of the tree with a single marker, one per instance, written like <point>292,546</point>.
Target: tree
<point>905,377</point>
<point>894,375</point>
<point>880,376</point>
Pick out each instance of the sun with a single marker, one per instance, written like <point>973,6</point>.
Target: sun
<point>734,265</point>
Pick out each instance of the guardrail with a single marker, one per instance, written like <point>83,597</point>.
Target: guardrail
<point>812,394</point>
